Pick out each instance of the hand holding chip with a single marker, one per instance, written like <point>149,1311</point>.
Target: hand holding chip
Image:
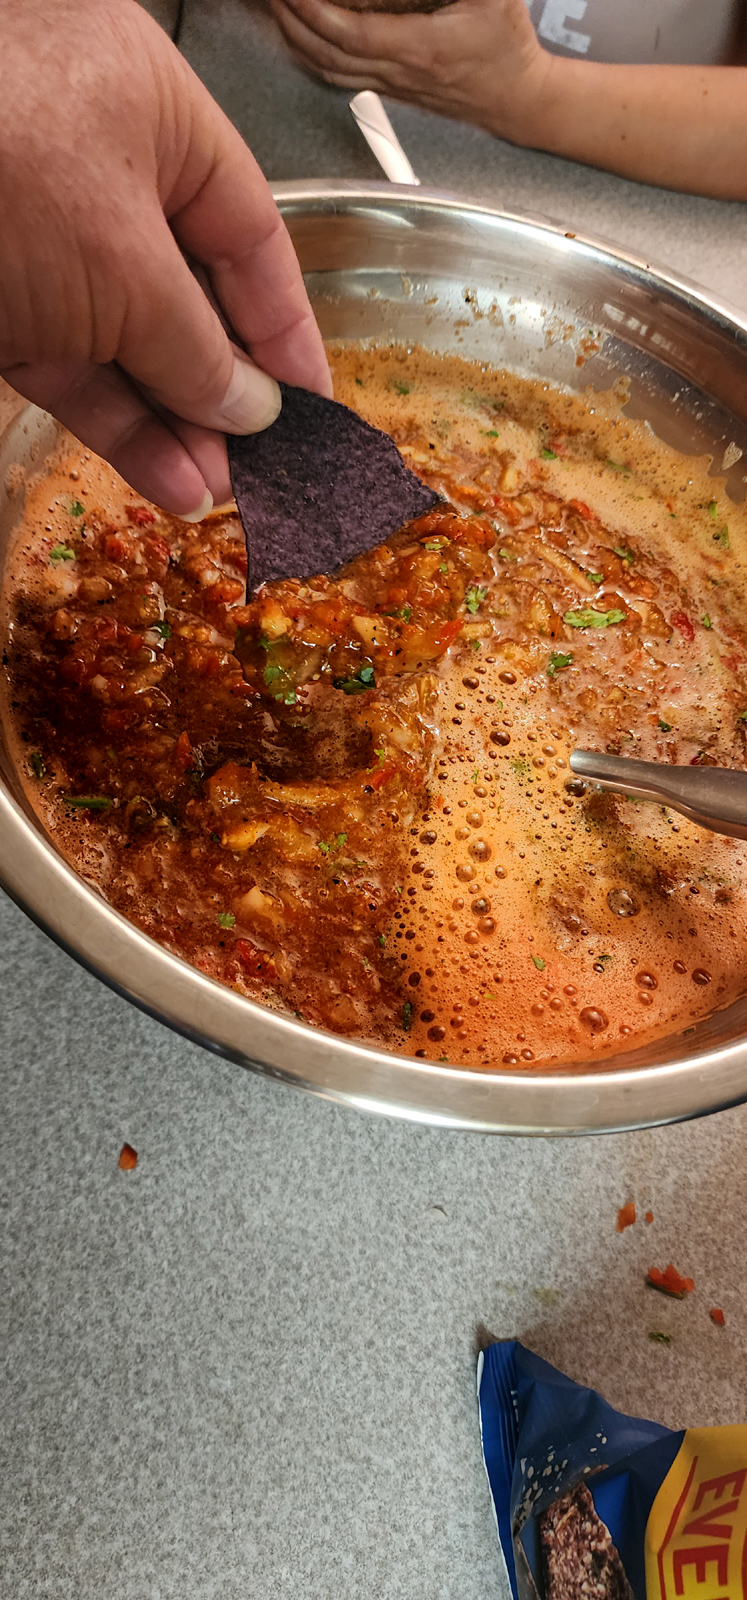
<point>117,170</point>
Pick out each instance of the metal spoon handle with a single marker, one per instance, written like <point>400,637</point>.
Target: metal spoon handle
<point>378,132</point>
<point>713,797</point>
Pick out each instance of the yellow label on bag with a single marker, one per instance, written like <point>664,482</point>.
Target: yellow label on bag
<point>696,1535</point>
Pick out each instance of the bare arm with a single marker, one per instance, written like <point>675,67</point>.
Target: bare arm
<point>480,60</point>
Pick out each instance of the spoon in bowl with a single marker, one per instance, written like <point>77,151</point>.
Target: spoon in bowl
<point>713,797</point>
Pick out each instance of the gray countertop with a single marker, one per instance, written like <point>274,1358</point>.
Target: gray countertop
<point>247,1368</point>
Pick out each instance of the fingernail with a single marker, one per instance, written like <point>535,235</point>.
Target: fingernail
<point>252,400</point>
<point>206,505</point>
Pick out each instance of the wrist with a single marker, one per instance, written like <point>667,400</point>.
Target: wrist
<point>530,116</point>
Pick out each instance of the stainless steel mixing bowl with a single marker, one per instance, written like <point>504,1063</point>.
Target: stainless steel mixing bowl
<point>384,262</point>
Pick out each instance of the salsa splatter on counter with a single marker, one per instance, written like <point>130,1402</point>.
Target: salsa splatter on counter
<point>350,798</point>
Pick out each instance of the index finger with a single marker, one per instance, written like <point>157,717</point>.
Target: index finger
<point>222,213</point>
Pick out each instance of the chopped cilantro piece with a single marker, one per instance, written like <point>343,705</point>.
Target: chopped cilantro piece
<point>618,466</point>
<point>722,538</point>
<point>539,963</point>
<point>363,680</point>
<point>660,1338</point>
<point>712,509</point>
<point>407,1015</point>
<point>557,662</point>
<point>586,617</point>
<point>595,577</point>
<point>215,838</point>
<point>476,775</point>
<point>382,939</point>
<point>225,919</point>
<point>476,644</point>
<point>474,598</point>
<point>36,763</point>
<point>359,382</point>
<point>706,621</point>
<point>549,455</point>
<point>742,717</point>
<point>506,555</point>
<point>491,433</point>
<point>271,674</point>
<point>76,509</point>
<point>666,727</point>
<point>163,629</point>
<point>88,802</point>
<point>443,566</point>
<point>329,846</point>
<point>400,387</point>
<point>625,555</point>
<point>435,544</point>
<point>61,552</point>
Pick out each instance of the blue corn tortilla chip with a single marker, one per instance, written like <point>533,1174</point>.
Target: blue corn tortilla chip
<point>318,488</point>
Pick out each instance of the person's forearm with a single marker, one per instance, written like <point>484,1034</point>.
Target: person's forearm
<point>680,127</point>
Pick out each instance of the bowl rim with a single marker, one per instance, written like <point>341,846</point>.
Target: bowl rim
<point>584,1099</point>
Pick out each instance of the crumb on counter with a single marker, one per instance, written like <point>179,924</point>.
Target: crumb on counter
<point>127,1158</point>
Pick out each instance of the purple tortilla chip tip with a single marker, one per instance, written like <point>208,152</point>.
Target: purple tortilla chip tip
<point>318,488</point>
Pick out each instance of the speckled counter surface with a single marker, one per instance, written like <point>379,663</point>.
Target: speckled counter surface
<point>247,1368</point>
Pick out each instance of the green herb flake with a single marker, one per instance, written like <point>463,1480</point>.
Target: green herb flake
<point>61,552</point>
<point>557,662</point>
<point>163,629</point>
<point>215,838</point>
<point>88,802</point>
<point>330,846</point>
<point>506,555</point>
<point>363,680</point>
<point>476,775</point>
<point>549,455</point>
<point>712,509</point>
<point>382,939</point>
<point>36,763</point>
<point>660,1338</point>
<point>476,644</point>
<point>625,555</point>
<point>407,1015</point>
<point>443,566</point>
<point>706,621</point>
<point>587,617</point>
<point>400,387</point>
<point>618,466</point>
<point>491,433</point>
<point>742,716</point>
<point>359,382</point>
<point>539,963</point>
<point>474,598</point>
<point>76,509</point>
<point>225,919</point>
<point>666,727</point>
<point>722,538</point>
<point>595,577</point>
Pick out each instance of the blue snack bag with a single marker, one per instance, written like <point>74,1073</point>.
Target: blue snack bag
<point>594,1505</point>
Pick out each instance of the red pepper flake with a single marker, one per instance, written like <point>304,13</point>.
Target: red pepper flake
<point>649,1216</point>
<point>625,1217</point>
<point>716,1315</point>
<point>670,1281</point>
<point>683,623</point>
<point>127,1158</point>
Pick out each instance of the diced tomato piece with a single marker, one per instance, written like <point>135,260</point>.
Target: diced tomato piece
<point>682,622</point>
<point>381,775</point>
<point>670,1281</point>
<point>140,515</point>
<point>626,1216</point>
<point>716,1315</point>
<point>583,510</point>
<point>448,632</point>
<point>648,1216</point>
<point>115,548</point>
<point>224,592</point>
<point>732,663</point>
<point>254,959</point>
<point>157,554</point>
<point>182,757</point>
<point>134,643</point>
